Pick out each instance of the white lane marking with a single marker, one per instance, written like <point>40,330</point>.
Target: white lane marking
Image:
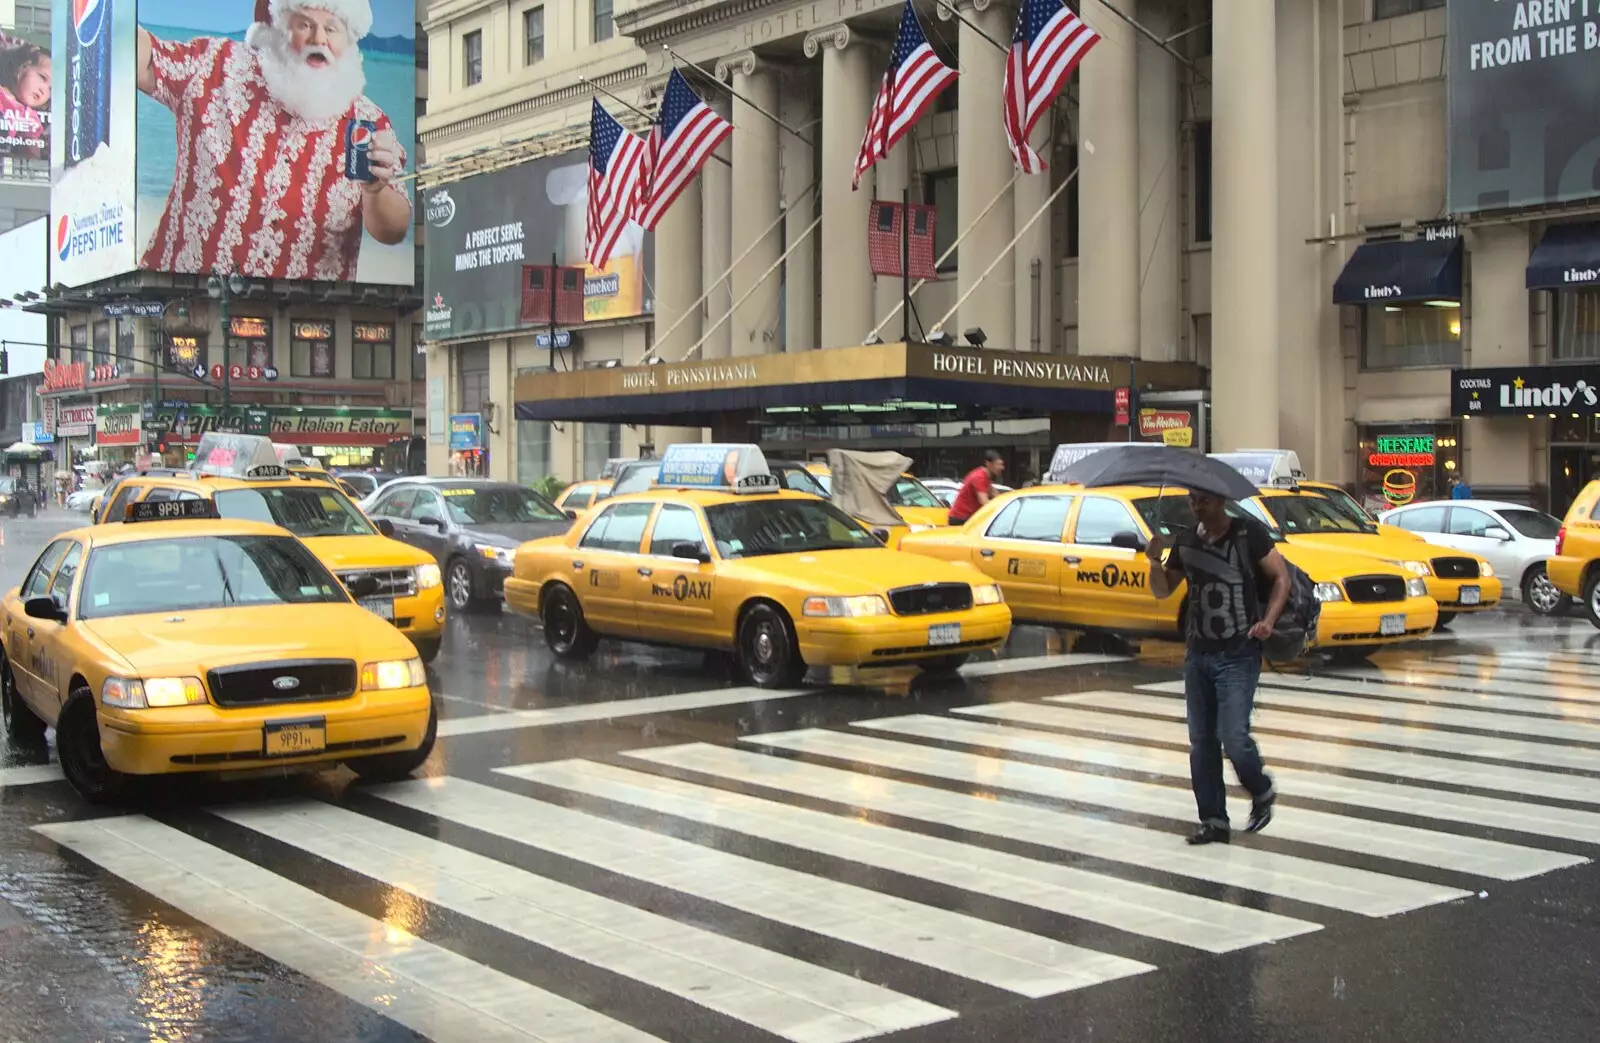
<point>1487,668</point>
<point>1452,691</point>
<point>1268,872</point>
<point>29,774</point>
<point>611,710</point>
<point>1001,956</point>
<point>1341,832</point>
<point>1133,907</point>
<point>1548,688</point>
<point>1028,664</point>
<point>1466,744</point>
<point>380,965</point>
<point>1536,819</point>
<point>770,991</point>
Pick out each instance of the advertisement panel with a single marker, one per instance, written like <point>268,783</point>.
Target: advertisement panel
<point>1524,91</point>
<point>310,124</point>
<point>26,72</point>
<point>483,229</point>
<point>186,423</point>
<point>92,157</point>
<point>118,424</point>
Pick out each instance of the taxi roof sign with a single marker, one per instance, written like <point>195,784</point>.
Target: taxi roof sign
<point>1069,453</point>
<point>230,455</point>
<point>730,468</point>
<point>170,510</point>
<point>1265,466</point>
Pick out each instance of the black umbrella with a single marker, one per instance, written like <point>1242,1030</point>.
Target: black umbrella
<point>1145,464</point>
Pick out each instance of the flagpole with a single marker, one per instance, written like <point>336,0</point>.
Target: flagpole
<point>905,264</point>
<point>676,58</point>
<point>751,291</point>
<point>634,108</point>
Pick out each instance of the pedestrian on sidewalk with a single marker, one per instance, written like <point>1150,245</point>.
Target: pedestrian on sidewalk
<point>1225,558</point>
<point>977,488</point>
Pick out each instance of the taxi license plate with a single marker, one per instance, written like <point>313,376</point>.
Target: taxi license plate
<point>383,608</point>
<point>944,634</point>
<point>294,738</point>
<point>1392,625</point>
<point>1471,595</point>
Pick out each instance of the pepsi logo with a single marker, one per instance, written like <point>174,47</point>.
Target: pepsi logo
<point>360,136</point>
<point>88,18</point>
<point>63,240</point>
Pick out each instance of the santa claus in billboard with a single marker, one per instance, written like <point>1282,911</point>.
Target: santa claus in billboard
<point>282,161</point>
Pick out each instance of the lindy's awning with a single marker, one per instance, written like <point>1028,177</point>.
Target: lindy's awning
<point>1568,256</point>
<point>1414,270</point>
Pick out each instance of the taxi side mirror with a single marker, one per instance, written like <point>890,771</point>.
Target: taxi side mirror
<point>385,526</point>
<point>570,513</point>
<point>692,551</point>
<point>881,535</point>
<point>44,607</point>
<point>1128,541</point>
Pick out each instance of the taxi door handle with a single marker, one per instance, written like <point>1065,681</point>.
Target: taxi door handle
<point>1072,559</point>
<point>986,553</point>
<point>647,572</point>
<point>577,564</point>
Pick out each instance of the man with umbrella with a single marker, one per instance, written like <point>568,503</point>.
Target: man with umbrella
<point>1224,558</point>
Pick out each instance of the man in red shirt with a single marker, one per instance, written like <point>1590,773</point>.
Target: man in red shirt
<point>977,488</point>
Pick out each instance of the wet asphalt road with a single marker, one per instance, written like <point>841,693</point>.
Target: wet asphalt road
<point>913,861</point>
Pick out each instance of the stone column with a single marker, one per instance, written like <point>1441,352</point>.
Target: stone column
<point>756,205</point>
<point>501,439</point>
<point>798,108</point>
<point>1034,300</point>
<point>893,174</point>
<point>986,167</point>
<point>679,247</point>
<point>1108,186</point>
<point>847,87</point>
<point>1160,224</point>
<point>716,187</point>
<point>1244,248</point>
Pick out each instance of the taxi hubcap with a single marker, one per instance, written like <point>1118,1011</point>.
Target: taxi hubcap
<point>766,646</point>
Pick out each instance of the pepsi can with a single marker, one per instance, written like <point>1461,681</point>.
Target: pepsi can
<point>357,145</point>
<point>88,79</point>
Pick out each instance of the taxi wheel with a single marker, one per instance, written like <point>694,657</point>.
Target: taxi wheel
<point>1445,619</point>
<point>768,651</point>
<point>566,632</point>
<point>1541,596</point>
<point>1591,597</point>
<point>21,724</point>
<point>83,762</point>
<point>396,767</point>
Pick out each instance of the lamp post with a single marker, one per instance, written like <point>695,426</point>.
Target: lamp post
<point>222,290</point>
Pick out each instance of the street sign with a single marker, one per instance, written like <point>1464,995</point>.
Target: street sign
<point>139,309</point>
<point>563,339</point>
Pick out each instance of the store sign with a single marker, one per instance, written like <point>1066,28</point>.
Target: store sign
<point>1402,451</point>
<point>336,426</point>
<point>1154,423</point>
<point>1120,399</point>
<point>118,424</point>
<point>1019,369</point>
<point>105,373</point>
<point>372,333</point>
<point>63,376</point>
<point>134,309</point>
<point>183,352</point>
<point>1179,437</point>
<point>1525,389</point>
<point>312,331</point>
<point>75,421</point>
<point>34,432</point>
<point>465,434</point>
<point>249,327</point>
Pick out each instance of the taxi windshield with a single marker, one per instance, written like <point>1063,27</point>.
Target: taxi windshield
<point>1297,515</point>
<point>198,572</point>
<point>1167,514</point>
<point>498,505</point>
<point>1341,500</point>
<point>908,492</point>
<point>306,510</point>
<point>800,480</point>
<point>755,529</point>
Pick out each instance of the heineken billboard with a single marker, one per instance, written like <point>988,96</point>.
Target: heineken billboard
<point>291,425</point>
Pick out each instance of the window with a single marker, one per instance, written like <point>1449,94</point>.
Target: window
<point>675,525</point>
<point>102,342</point>
<point>1464,521</point>
<point>1032,518</point>
<point>533,36</point>
<point>250,341</point>
<point>427,505</point>
<point>620,527</point>
<point>602,20</point>
<point>61,586</point>
<point>38,581</point>
<point>161,496</point>
<point>119,506</point>
<point>1535,525</point>
<point>533,450</point>
<point>80,343</point>
<point>601,442</point>
<point>1408,336</point>
<point>199,572</point>
<point>472,57</point>
<point>397,504</point>
<point>308,511</point>
<point>1099,519</point>
<point>1575,325</point>
<point>939,189</point>
<point>311,350</point>
<point>1396,8</point>
<point>372,361</point>
<point>1202,181</point>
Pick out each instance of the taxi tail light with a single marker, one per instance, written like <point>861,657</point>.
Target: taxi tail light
<point>1561,538</point>
<point>392,674</point>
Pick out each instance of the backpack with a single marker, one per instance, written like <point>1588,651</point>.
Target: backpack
<point>1296,629</point>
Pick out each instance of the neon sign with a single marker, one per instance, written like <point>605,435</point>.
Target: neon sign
<point>1400,460</point>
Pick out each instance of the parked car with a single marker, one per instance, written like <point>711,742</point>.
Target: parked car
<point>365,483</point>
<point>17,498</point>
<point>945,489</point>
<point>1516,539</point>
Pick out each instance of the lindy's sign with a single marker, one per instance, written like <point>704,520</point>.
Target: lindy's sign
<point>1525,389</point>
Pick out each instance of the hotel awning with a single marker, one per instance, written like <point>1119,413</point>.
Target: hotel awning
<point>1568,256</point>
<point>1409,270</point>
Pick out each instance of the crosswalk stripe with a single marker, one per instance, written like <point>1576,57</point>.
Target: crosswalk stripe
<point>1439,689</point>
<point>1125,905</point>
<point>1466,744</point>
<point>1029,664</point>
<point>777,993</point>
<point>29,774</point>
<point>422,986</point>
<point>1414,713</point>
<point>1253,869</point>
<point>1585,674</point>
<point>1341,832</point>
<point>1536,819</point>
<point>1001,956</point>
<point>1505,683</point>
<point>578,713</point>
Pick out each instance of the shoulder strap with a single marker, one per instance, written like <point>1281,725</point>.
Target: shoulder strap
<point>1240,532</point>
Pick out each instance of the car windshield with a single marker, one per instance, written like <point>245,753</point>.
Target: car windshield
<point>1167,514</point>
<point>1343,501</point>
<point>754,529</point>
<point>498,505</point>
<point>908,492</point>
<point>364,483</point>
<point>801,481</point>
<point>197,572</point>
<point>1535,525</point>
<point>1298,515</point>
<point>307,510</point>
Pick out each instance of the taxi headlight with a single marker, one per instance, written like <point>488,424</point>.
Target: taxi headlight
<point>428,577</point>
<point>987,595</point>
<point>1485,569</point>
<point>504,555</point>
<point>391,674</point>
<point>1415,588</point>
<point>861,605</point>
<point>132,693</point>
<point>1416,568</point>
<point>1328,592</point>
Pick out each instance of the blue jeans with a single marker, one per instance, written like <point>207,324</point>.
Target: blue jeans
<point>1220,689</point>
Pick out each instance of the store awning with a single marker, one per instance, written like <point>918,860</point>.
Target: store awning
<point>1567,256</point>
<point>1402,409</point>
<point>1411,270</point>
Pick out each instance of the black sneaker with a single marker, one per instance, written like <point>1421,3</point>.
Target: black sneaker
<point>1210,833</point>
<point>1261,812</point>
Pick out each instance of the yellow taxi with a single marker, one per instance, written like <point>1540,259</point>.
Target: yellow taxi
<point>290,458</point>
<point>1457,581</point>
<point>580,496</point>
<point>717,555</point>
<point>1281,467</point>
<point>1074,557</point>
<point>181,642</point>
<point>910,499</point>
<point>1575,569</point>
<point>241,474</point>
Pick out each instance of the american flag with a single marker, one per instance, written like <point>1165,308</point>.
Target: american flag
<point>914,78</point>
<point>616,166</point>
<point>684,135</point>
<point>1047,44</point>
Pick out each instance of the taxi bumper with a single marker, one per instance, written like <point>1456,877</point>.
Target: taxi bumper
<point>1345,623</point>
<point>212,739</point>
<point>1448,593</point>
<point>422,615</point>
<point>522,596</point>
<point>887,640</point>
<point>1566,572</point>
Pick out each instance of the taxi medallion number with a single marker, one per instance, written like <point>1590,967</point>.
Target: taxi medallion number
<point>1392,625</point>
<point>383,608</point>
<point>1471,595</point>
<point>294,738</point>
<point>944,634</point>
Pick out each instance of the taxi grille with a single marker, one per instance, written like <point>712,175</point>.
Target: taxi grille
<point>930,597</point>
<point>1366,589</point>
<point>257,684</point>
<point>392,583</point>
<point>1455,568</point>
